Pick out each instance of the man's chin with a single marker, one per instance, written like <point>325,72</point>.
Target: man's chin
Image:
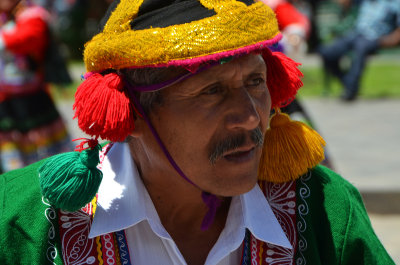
<point>237,188</point>
<point>243,190</point>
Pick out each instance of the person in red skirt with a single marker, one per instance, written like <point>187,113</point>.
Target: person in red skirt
<point>30,125</point>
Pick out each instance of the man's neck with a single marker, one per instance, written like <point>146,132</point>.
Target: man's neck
<point>182,217</point>
<point>181,205</point>
<point>181,210</point>
<point>182,213</point>
<point>194,243</point>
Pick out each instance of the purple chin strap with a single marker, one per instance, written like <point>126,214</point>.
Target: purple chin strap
<point>209,199</point>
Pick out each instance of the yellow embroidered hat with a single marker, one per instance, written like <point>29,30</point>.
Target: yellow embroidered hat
<point>155,33</point>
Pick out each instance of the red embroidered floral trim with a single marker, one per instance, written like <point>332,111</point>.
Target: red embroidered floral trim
<point>282,199</point>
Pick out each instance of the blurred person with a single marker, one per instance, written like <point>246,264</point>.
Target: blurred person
<point>193,174</point>
<point>294,25</point>
<point>377,26</point>
<point>74,22</point>
<point>344,14</point>
<point>30,126</point>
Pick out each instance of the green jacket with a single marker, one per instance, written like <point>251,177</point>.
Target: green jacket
<point>332,224</point>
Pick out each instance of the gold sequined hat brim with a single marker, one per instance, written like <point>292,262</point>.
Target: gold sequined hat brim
<point>235,26</point>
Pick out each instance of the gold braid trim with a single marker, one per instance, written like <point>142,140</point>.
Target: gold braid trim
<point>120,18</point>
<point>234,26</point>
<point>220,5</point>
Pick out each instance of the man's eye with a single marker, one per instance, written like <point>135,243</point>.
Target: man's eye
<point>256,81</point>
<point>212,90</point>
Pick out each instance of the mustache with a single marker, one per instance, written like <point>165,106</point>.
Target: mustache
<point>233,143</point>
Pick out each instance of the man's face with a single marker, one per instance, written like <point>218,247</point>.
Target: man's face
<point>7,5</point>
<point>213,124</point>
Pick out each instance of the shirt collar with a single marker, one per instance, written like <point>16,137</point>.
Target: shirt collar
<point>123,201</point>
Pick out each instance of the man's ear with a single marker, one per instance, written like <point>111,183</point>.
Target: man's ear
<point>139,127</point>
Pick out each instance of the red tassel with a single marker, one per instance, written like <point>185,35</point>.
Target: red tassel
<point>283,78</point>
<point>103,108</point>
<point>91,144</point>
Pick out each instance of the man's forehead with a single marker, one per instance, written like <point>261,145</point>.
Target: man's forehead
<point>248,60</point>
<point>152,79</point>
<point>246,63</point>
<point>224,71</point>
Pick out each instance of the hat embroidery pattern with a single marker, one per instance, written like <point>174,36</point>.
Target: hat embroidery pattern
<point>238,26</point>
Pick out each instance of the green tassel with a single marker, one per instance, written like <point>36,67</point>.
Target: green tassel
<point>70,180</point>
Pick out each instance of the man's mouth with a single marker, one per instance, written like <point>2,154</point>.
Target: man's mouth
<point>240,155</point>
<point>237,148</point>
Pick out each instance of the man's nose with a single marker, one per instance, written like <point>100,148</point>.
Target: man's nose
<point>242,112</point>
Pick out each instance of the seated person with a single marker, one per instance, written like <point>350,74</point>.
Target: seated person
<point>377,26</point>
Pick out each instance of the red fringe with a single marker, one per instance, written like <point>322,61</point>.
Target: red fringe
<point>103,108</point>
<point>283,78</point>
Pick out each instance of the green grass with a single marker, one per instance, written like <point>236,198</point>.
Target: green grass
<point>67,92</point>
<point>380,80</point>
<point>64,92</point>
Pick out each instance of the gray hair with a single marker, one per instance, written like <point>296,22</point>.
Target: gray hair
<point>150,76</point>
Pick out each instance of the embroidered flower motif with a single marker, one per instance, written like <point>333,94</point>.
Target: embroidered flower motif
<point>304,193</point>
<point>50,213</point>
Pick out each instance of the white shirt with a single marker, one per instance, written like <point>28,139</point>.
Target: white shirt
<point>124,203</point>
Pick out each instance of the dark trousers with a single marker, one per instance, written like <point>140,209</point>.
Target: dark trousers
<point>360,48</point>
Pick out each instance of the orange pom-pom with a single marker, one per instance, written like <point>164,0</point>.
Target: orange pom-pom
<point>103,107</point>
<point>290,149</point>
<point>283,78</point>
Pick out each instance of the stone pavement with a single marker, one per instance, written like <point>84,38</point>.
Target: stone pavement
<point>387,229</point>
<point>363,141</point>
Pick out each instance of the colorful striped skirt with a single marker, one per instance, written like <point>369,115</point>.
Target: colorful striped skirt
<point>30,129</point>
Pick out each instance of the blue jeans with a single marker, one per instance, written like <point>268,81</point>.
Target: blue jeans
<point>360,48</point>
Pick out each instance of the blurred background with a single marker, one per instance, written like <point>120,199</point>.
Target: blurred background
<point>362,129</point>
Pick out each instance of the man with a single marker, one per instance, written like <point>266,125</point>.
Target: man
<point>377,26</point>
<point>185,100</point>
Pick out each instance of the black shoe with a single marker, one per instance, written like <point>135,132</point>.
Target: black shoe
<point>348,97</point>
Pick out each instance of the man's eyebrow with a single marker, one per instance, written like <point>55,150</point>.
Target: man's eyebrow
<point>258,65</point>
